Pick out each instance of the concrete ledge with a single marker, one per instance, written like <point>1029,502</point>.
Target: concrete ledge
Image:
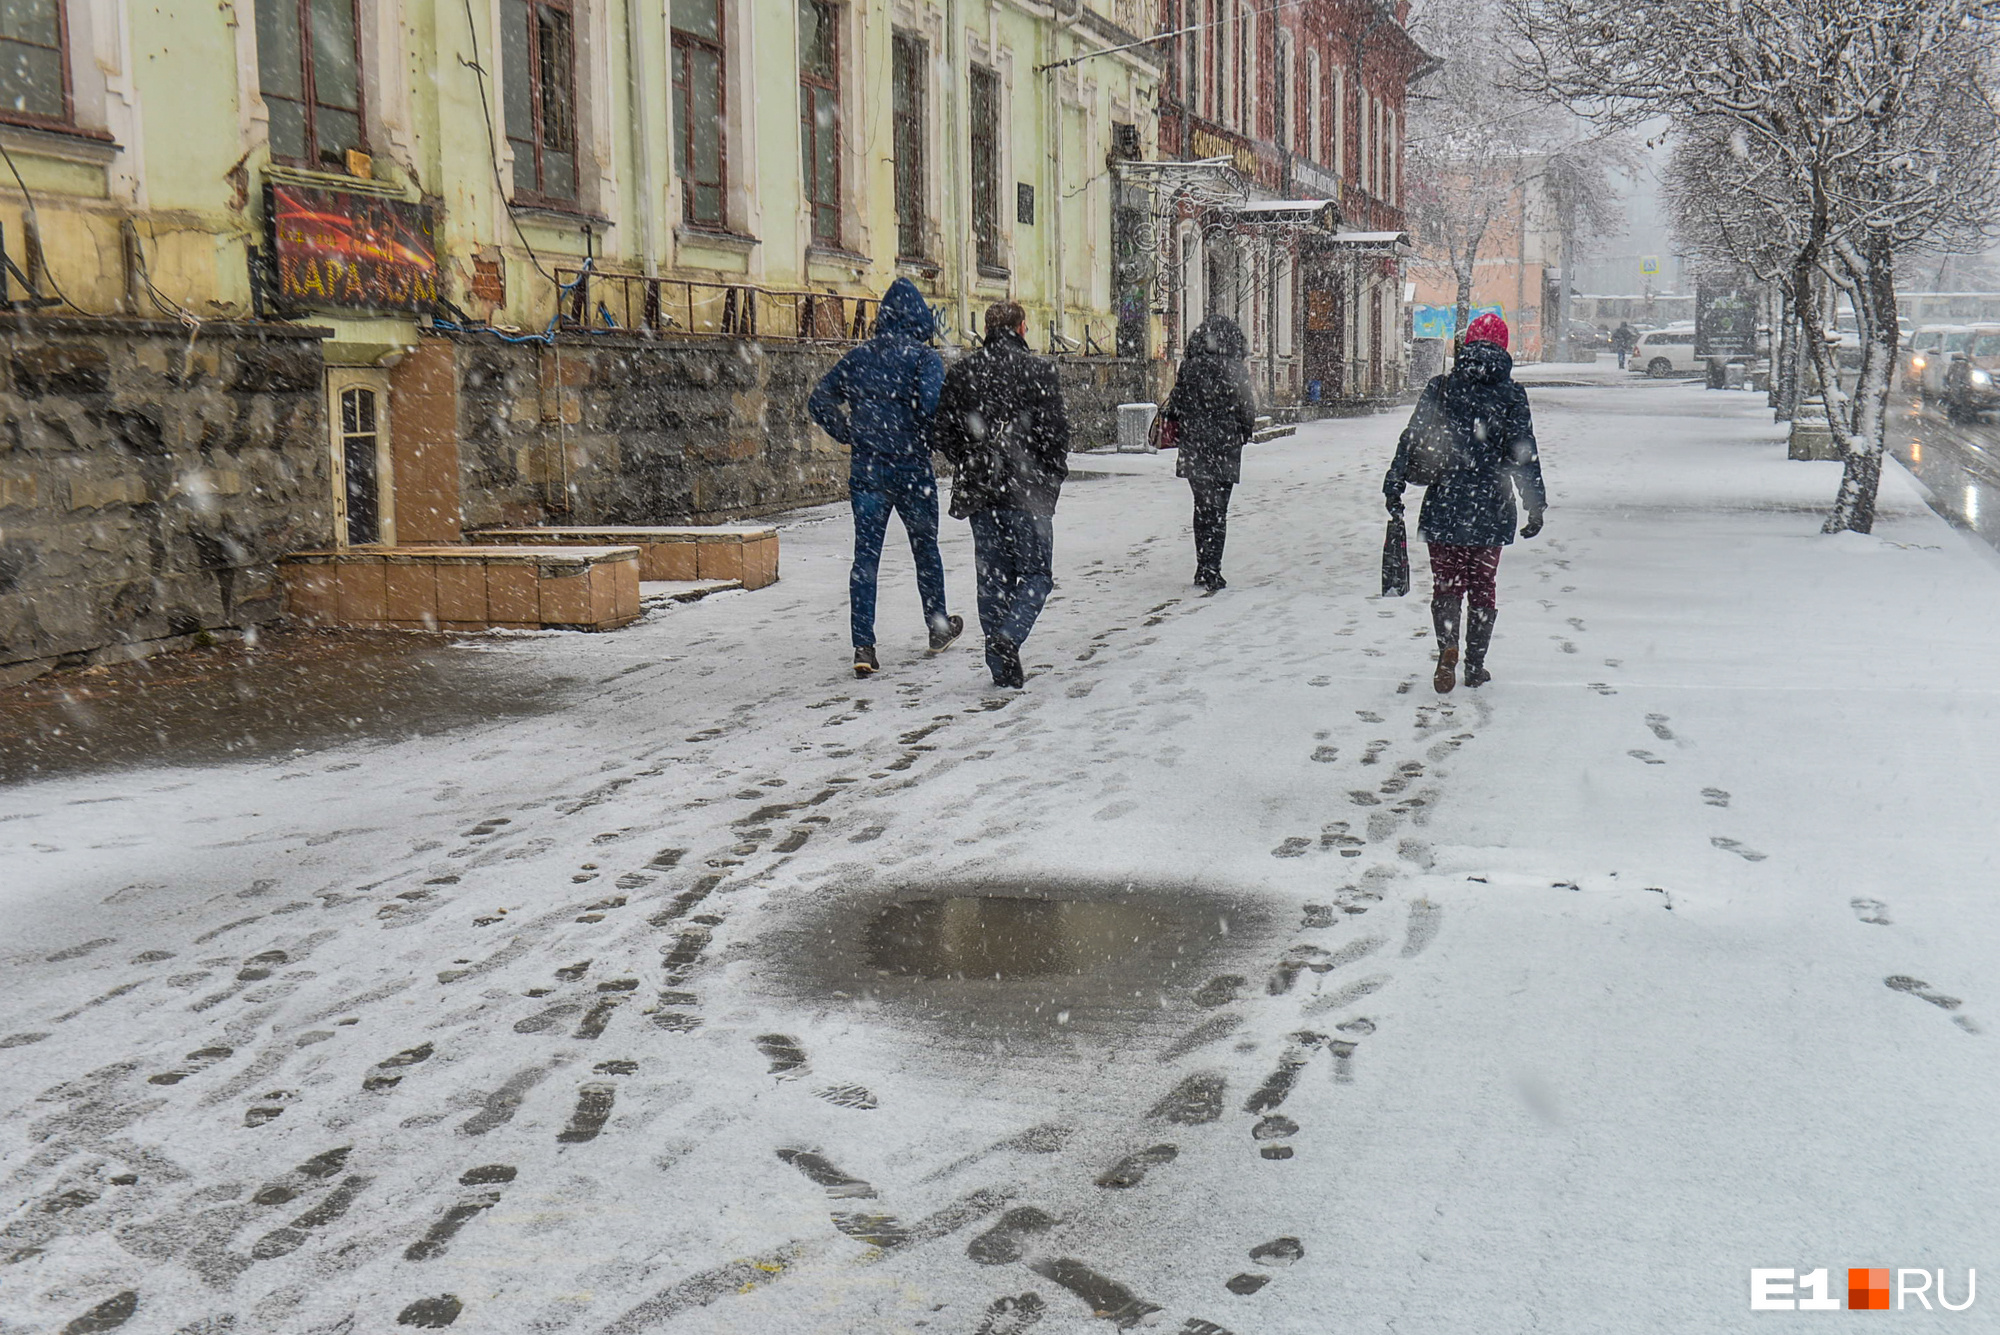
<point>746,552</point>
<point>509,587</point>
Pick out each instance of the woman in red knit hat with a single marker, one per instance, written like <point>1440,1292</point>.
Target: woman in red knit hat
<point>1474,442</point>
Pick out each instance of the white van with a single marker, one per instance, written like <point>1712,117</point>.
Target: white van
<point>1928,355</point>
<point>1665,352</point>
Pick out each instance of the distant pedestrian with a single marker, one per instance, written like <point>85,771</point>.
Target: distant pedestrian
<point>1001,423</point>
<point>1214,414</point>
<point>1623,339</point>
<point>1472,433</point>
<point>878,400</point>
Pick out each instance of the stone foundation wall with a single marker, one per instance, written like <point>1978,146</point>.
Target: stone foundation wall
<point>149,482</point>
<point>627,431</point>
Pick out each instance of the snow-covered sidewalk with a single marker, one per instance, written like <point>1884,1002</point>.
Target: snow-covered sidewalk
<point>1554,1006</point>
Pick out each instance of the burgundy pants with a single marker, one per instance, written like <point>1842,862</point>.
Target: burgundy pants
<point>1467,572</point>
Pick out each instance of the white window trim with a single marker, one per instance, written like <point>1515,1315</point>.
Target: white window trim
<point>1316,143</point>
<point>1339,163</point>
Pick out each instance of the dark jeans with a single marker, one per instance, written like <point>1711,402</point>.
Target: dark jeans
<point>1013,551</point>
<point>917,503</point>
<point>1211,524</point>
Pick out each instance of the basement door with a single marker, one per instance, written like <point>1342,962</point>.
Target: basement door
<point>357,414</point>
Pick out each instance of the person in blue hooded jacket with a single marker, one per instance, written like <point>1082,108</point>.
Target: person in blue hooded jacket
<point>878,401</point>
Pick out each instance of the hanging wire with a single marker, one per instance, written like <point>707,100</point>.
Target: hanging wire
<point>35,217</point>
<point>493,146</point>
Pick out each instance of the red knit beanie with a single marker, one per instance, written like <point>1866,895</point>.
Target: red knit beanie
<point>1488,328</point>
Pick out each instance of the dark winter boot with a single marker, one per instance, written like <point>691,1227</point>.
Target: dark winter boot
<point>1444,620</point>
<point>1478,635</point>
<point>865,664</point>
<point>945,632</point>
<point>1003,656</point>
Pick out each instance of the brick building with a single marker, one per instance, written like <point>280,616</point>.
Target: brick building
<point>1303,104</point>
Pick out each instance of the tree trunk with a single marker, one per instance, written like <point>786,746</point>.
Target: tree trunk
<point>1784,394</point>
<point>1875,314</point>
<point>1461,313</point>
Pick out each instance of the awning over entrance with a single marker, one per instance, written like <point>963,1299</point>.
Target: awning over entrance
<point>1317,214</point>
<point>1372,240</point>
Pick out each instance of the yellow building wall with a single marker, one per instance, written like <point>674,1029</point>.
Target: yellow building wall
<point>167,175</point>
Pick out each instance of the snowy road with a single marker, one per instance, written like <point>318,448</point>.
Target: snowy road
<point>1325,1004</point>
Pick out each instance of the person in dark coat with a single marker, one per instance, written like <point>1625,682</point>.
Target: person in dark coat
<point>1623,339</point>
<point>878,401</point>
<point>1468,513</point>
<point>1214,413</point>
<point>1002,425</point>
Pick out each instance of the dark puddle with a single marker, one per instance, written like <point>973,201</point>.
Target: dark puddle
<point>293,690</point>
<point>1004,936</point>
<point>1024,958</point>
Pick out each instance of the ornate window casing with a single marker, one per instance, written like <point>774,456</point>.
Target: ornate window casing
<point>986,108</point>
<point>819,120</point>
<point>701,138</point>
<point>538,41</point>
<point>909,89</point>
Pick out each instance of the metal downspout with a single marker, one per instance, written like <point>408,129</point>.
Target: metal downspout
<point>956,105</point>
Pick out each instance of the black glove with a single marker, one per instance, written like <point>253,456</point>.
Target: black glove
<point>1533,526</point>
<point>1394,501</point>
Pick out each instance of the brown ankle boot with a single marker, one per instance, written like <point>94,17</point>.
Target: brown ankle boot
<point>1446,676</point>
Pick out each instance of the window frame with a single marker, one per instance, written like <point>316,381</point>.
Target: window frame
<point>1282,92</point>
<point>909,58</point>
<point>830,17</point>
<point>988,243</point>
<point>681,44</point>
<point>308,99</point>
<point>67,120</point>
<point>536,195</point>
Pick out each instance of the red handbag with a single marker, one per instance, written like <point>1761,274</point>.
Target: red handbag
<point>1164,433</point>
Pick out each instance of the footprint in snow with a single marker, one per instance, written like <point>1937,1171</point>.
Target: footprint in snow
<point>1740,850</point>
<point>1715,797</point>
<point>1870,911</point>
<point>1646,756</point>
<point>1658,723</point>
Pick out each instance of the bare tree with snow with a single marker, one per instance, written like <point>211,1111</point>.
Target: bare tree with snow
<point>1874,120</point>
<point>1477,151</point>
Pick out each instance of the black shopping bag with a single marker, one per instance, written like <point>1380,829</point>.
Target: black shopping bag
<point>1395,559</point>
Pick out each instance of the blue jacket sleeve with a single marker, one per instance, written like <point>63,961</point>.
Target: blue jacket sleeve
<point>828,403</point>
<point>930,382</point>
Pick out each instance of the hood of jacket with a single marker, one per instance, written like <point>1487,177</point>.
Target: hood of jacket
<point>1484,363</point>
<point>904,313</point>
<point>1219,336</point>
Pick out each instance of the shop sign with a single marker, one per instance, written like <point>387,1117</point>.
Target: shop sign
<point>336,251</point>
<point>1310,182</point>
<point>1209,144</point>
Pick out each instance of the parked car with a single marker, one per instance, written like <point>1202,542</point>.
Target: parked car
<point>1664,352</point>
<point>1969,388</point>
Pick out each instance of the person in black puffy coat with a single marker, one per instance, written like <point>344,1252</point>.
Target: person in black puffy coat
<point>1469,513</point>
<point>1001,423</point>
<point>1214,413</point>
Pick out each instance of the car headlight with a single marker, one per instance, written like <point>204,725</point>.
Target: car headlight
<point>1918,362</point>
<point>1979,377</point>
